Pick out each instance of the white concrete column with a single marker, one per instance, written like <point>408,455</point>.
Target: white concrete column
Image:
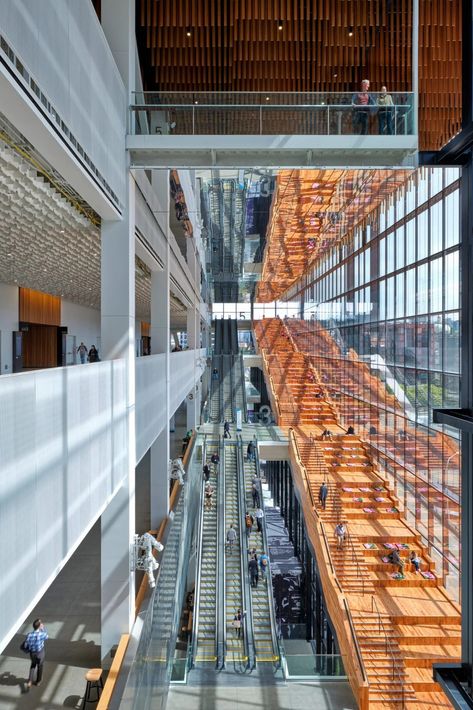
<point>160,332</point>
<point>118,341</point>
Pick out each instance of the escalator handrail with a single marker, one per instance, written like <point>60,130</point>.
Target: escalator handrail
<point>221,399</point>
<point>200,528</point>
<point>232,390</point>
<point>246,591</point>
<point>243,385</point>
<point>269,585</point>
<point>220,618</point>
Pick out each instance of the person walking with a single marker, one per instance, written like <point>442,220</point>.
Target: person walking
<point>249,520</point>
<point>323,493</point>
<point>253,570</point>
<point>259,515</point>
<point>361,103</point>
<point>82,350</point>
<point>226,430</point>
<point>255,495</point>
<point>206,472</point>
<point>250,451</point>
<point>93,354</point>
<point>34,643</point>
<point>231,537</point>
<point>385,112</point>
<point>340,534</point>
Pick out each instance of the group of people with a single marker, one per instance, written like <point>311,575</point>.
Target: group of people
<point>364,104</point>
<point>209,489</point>
<point>91,355</point>
<point>257,565</point>
<point>327,434</point>
<point>250,521</point>
<point>395,559</point>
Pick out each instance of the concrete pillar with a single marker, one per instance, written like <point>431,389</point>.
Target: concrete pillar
<point>160,332</point>
<point>118,341</point>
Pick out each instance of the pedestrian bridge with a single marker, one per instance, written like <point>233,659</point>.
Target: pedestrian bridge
<point>228,130</point>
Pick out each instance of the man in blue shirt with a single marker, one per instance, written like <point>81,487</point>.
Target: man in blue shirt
<point>34,643</point>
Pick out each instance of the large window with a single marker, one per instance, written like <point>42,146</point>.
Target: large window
<point>389,343</point>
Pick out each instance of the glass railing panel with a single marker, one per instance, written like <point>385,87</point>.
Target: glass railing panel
<point>217,113</point>
<point>313,666</point>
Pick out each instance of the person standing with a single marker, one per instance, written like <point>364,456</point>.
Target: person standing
<point>250,451</point>
<point>206,472</point>
<point>361,103</point>
<point>323,493</point>
<point>226,430</point>
<point>236,623</point>
<point>253,570</point>
<point>259,515</point>
<point>248,524</point>
<point>34,643</point>
<point>231,537</point>
<point>385,112</point>
<point>208,496</point>
<point>82,350</point>
<point>255,495</point>
<point>264,564</point>
<point>93,354</point>
<point>215,459</point>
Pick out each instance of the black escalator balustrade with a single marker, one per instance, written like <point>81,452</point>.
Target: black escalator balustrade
<point>227,392</point>
<point>215,390</point>
<point>206,629</point>
<point>263,613</point>
<point>235,646</point>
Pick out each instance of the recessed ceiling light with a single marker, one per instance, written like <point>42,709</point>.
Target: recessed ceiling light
<point>267,98</point>
<point>350,31</point>
<point>335,76</point>
<point>188,32</point>
<point>61,231</point>
<point>196,102</point>
<point>280,25</point>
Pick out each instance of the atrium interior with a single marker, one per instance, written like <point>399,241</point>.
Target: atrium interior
<point>236,394</point>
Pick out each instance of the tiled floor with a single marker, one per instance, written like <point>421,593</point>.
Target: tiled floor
<point>71,612</point>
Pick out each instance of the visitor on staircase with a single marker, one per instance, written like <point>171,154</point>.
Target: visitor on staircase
<point>323,493</point>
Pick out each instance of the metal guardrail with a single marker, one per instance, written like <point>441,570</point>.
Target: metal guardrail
<point>269,586</point>
<point>221,622</point>
<point>199,563</point>
<point>248,619</point>
<point>375,609</point>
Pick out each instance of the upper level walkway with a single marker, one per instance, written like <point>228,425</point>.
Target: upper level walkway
<point>229,129</point>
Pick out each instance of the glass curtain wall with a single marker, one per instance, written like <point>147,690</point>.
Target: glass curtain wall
<point>382,324</point>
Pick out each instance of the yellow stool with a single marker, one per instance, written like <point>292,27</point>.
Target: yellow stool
<point>94,682</point>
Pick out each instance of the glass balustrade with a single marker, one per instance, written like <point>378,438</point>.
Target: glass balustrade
<point>217,113</point>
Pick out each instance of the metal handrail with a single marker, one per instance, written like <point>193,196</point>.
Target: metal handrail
<point>220,619</point>
<point>200,528</point>
<point>355,641</point>
<point>269,583</point>
<point>248,635</point>
<point>375,609</point>
<point>355,560</point>
<point>243,385</point>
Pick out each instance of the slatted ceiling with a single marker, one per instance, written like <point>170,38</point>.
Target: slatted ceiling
<point>235,46</point>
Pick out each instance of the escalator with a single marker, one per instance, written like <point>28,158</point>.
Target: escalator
<point>263,617</point>
<point>228,407</point>
<point>239,386</point>
<point>235,647</point>
<point>214,409</point>
<point>205,622</point>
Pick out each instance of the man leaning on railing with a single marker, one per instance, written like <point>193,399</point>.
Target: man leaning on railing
<point>361,102</point>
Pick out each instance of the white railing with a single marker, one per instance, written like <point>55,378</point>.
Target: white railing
<point>63,454</point>
<point>185,370</point>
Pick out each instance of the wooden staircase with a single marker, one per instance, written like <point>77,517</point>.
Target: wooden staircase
<point>391,616</point>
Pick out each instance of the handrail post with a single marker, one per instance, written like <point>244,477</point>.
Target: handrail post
<point>328,120</point>
<point>261,120</point>
<point>193,120</point>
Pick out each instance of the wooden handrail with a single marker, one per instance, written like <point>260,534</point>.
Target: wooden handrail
<point>109,686</point>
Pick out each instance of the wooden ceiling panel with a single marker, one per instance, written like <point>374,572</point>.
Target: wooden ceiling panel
<point>240,45</point>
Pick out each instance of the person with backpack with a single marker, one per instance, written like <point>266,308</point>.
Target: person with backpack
<point>226,430</point>
<point>34,645</point>
<point>264,564</point>
<point>249,520</point>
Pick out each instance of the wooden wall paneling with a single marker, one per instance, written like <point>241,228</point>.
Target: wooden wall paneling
<point>40,346</point>
<point>39,307</point>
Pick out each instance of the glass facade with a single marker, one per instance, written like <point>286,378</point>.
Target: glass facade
<point>381,321</point>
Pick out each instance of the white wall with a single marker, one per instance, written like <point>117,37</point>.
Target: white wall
<point>63,438</point>
<point>63,47</point>
<point>82,322</point>
<point>8,323</point>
